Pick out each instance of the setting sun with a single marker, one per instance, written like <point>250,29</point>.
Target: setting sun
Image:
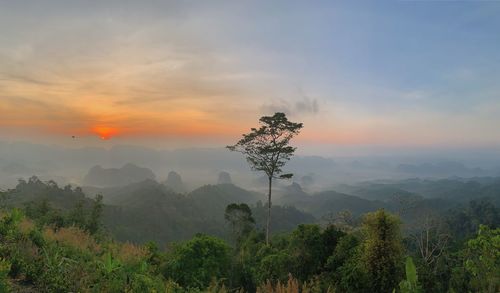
<point>105,132</point>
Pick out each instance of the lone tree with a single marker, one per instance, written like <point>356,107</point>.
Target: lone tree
<point>268,149</point>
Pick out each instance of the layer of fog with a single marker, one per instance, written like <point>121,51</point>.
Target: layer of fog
<point>200,166</point>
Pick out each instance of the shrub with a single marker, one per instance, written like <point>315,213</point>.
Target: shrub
<point>4,271</point>
<point>196,262</point>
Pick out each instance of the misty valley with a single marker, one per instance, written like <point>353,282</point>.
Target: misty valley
<point>128,229</point>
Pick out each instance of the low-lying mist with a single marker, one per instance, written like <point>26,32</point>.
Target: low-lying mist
<point>194,167</point>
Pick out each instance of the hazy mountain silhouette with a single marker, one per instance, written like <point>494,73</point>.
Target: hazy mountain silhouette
<point>447,168</point>
<point>224,178</point>
<point>293,193</point>
<point>174,182</point>
<point>307,181</point>
<point>65,164</point>
<point>215,198</point>
<point>129,173</point>
<point>15,168</point>
<point>148,210</point>
<point>332,202</point>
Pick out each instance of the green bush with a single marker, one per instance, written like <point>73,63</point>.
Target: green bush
<point>197,262</point>
<point>4,272</point>
<point>410,284</point>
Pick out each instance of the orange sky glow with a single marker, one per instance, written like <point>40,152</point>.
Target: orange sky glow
<point>209,76</point>
<point>105,132</point>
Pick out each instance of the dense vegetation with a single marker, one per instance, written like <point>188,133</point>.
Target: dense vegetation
<point>58,242</point>
<point>55,239</point>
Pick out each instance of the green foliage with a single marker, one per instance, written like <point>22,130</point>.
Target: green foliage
<point>483,260</point>
<point>267,148</point>
<point>245,272</point>
<point>94,221</point>
<point>4,271</point>
<point>346,248</point>
<point>146,211</point>
<point>307,249</point>
<point>196,262</point>
<point>9,223</point>
<point>331,237</point>
<point>81,215</point>
<point>275,266</point>
<point>109,264</point>
<point>51,248</point>
<point>239,216</point>
<point>345,266</point>
<point>53,270</point>
<point>285,218</point>
<point>465,222</point>
<point>382,252</point>
<point>59,262</point>
<point>410,285</point>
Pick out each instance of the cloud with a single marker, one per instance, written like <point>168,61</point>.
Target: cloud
<point>304,105</point>
<point>23,79</point>
<point>307,106</point>
<point>31,114</point>
<point>140,100</point>
<point>108,70</point>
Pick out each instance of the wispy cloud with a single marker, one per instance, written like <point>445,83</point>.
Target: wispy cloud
<point>300,105</point>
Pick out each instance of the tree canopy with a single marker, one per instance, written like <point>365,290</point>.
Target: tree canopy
<point>267,148</point>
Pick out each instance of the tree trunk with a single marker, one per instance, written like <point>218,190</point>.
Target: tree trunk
<point>268,212</point>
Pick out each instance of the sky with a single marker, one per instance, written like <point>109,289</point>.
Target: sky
<point>200,73</point>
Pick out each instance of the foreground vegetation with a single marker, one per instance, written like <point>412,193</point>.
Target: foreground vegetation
<point>46,249</point>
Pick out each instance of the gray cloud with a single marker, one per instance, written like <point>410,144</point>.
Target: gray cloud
<point>307,105</point>
<point>304,105</point>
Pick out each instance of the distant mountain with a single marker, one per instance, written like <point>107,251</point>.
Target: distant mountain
<point>283,219</point>
<point>492,191</point>
<point>447,168</point>
<point>456,189</point>
<point>149,210</point>
<point>130,195</point>
<point>377,191</point>
<point>215,198</point>
<point>197,164</point>
<point>224,178</point>
<point>307,181</point>
<point>129,173</point>
<point>414,199</point>
<point>293,193</point>
<point>138,212</point>
<point>15,168</point>
<point>327,202</point>
<point>311,163</point>
<point>174,182</point>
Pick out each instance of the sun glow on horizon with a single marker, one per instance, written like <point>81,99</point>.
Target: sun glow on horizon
<point>105,132</point>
